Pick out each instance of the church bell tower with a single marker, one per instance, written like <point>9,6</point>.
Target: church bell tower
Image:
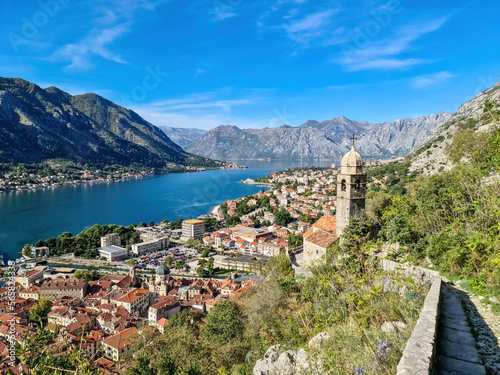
<point>351,189</point>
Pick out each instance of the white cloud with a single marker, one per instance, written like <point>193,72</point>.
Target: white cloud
<point>108,26</point>
<point>309,26</point>
<point>79,54</point>
<point>202,110</point>
<point>431,79</point>
<point>384,53</point>
<point>205,121</point>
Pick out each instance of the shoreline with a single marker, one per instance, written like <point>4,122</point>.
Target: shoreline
<point>214,211</point>
<point>101,181</point>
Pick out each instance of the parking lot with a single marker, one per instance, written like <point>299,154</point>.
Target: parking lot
<point>152,260</point>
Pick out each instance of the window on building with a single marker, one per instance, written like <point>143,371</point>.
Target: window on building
<point>343,186</point>
<point>357,185</point>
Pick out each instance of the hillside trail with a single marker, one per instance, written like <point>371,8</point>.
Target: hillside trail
<point>468,335</point>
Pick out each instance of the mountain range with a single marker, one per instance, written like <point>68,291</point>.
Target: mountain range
<point>183,136</point>
<point>39,124</point>
<point>326,140</point>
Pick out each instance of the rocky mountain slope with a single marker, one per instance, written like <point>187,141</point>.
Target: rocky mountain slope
<point>478,116</point>
<point>38,124</point>
<point>327,140</point>
<point>183,136</point>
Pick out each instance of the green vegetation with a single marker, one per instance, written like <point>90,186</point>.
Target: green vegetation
<point>391,178</point>
<point>39,312</point>
<point>27,251</point>
<point>85,243</point>
<point>42,359</point>
<point>349,297</point>
<point>87,275</point>
<point>211,224</point>
<point>283,217</point>
<point>453,217</point>
<point>224,323</point>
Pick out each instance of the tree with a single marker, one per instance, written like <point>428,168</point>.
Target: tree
<point>233,220</point>
<point>180,264</point>
<point>354,235</point>
<point>142,364</point>
<point>166,366</point>
<point>294,240</point>
<point>190,319</point>
<point>210,266</point>
<point>87,275</point>
<point>169,261</point>
<point>152,224</point>
<point>223,324</point>
<point>34,352</point>
<point>27,251</point>
<point>38,313</point>
<point>211,224</point>
<point>281,270</point>
<point>202,262</point>
<point>205,253</point>
<point>143,224</point>
<point>201,272</point>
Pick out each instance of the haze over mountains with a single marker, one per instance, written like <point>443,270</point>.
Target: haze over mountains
<point>183,136</point>
<point>38,124</point>
<point>326,140</point>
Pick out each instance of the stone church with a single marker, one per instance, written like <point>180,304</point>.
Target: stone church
<point>351,192</point>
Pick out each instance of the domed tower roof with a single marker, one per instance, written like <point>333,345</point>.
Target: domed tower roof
<point>162,271</point>
<point>352,162</point>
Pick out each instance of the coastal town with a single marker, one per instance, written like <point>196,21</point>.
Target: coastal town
<point>47,177</point>
<point>102,304</point>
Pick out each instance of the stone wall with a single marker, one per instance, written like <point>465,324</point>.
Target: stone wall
<point>419,355</point>
<point>421,275</point>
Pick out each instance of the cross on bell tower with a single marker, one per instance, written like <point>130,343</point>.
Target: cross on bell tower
<point>353,139</point>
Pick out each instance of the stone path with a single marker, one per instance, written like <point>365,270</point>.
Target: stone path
<point>485,326</point>
<point>457,349</point>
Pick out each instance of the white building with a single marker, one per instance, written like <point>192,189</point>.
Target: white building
<point>111,239</point>
<point>112,253</point>
<point>153,245</point>
<point>192,229</point>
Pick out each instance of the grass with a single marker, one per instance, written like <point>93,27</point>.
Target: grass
<point>223,271</point>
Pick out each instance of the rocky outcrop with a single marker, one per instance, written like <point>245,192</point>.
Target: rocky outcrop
<point>291,362</point>
<point>326,140</point>
<point>432,156</point>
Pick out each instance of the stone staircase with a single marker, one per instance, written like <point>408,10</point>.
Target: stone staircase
<point>456,345</point>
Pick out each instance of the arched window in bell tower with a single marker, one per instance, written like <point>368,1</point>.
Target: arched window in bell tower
<point>357,185</point>
<point>343,186</point>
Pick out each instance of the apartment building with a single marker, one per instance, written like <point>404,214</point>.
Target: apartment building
<point>29,277</point>
<point>136,301</point>
<point>58,288</point>
<point>111,239</point>
<point>152,245</point>
<point>116,346</point>
<point>192,229</point>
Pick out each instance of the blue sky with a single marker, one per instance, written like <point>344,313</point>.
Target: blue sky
<point>257,63</point>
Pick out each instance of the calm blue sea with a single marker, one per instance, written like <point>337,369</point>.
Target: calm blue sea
<point>27,216</point>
